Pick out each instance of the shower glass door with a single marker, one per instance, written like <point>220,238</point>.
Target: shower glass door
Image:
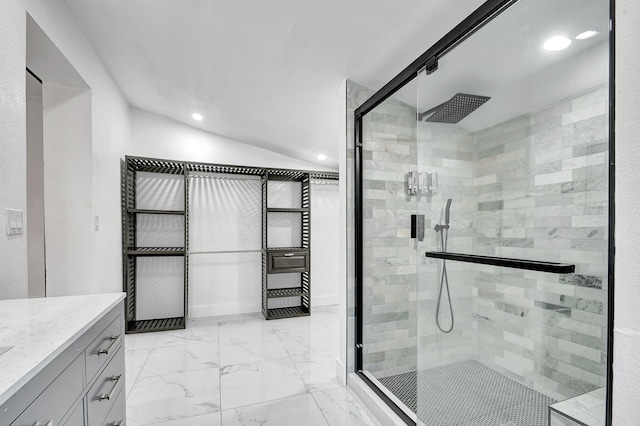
<point>511,291</point>
<point>389,255</point>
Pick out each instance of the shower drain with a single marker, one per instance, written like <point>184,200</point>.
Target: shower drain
<point>468,393</point>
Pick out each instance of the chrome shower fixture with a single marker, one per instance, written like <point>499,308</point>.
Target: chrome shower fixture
<point>422,183</point>
<point>412,182</point>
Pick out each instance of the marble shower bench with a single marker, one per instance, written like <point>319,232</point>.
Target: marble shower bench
<point>587,409</point>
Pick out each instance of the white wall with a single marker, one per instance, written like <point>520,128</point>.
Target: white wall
<point>159,137</point>
<point>626,364</point>
<point>109,141</point>
<point>13,193</point>
<point>110,138</point>
<point>35,188</point>
<point>325,244</point>
<point>67,188</point>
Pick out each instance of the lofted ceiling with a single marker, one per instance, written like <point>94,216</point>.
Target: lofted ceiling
<point>266,73</point>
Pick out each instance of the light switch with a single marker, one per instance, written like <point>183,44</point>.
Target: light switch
<point>14,222</point>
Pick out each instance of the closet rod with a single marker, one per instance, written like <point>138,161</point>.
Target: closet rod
<point>225,251</point>
<point>224,178</point>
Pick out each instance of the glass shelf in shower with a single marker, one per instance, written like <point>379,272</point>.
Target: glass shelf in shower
<point>530,265</point>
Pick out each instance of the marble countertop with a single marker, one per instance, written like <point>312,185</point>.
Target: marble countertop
<point>34,331</point>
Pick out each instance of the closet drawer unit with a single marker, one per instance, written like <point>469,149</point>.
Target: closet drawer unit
<point>104,392</point>
<point>282,262</point>
<point>105,345</point>
<point>54,402</point>
<point>116,415</point>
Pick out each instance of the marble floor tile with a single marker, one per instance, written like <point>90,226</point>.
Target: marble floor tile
<point>242,328</point>
<point>312,339</point>
<point>318,369</point>
<point>134,360</point>
<point>140,341</point>
<point>341,408</point>
<point>189,356</point>
<point>258,348</point>
<point>252,383</point>
<point>205,330</point>
<point>280,372</point>
<point>293,411</point>
<point>174,396</point>
<point>170,338</point>
<point>213,419</point>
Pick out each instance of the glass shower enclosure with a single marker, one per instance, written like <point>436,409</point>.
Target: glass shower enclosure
<point>482,204</point>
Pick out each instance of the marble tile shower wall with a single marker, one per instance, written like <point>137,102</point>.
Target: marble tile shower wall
<point>399,310</point>
<point>541,191</point>
<point>447,150</point>
<point>389,317</point>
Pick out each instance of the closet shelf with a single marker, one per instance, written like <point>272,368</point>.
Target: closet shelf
<point>161,324</point>
<point>530,265</point>
<point>296,311</point>
<point>156,251</point>
<point>150,211</point>
<point>286,210</point>
<point>279,249</point>
<point>286,292</point>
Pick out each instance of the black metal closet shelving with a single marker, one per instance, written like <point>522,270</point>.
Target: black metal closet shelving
<point>287,259</point>
<point>274,259</point>
<point>131,252</point>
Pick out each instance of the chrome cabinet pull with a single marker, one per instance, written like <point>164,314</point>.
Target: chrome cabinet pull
<point>117,423</point>
<point>114,340</point>
<point>108,396</point>
<point>289,254</point>
<point>49,423</point>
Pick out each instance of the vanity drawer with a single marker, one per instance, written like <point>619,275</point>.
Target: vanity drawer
<point>77,415</point>
<point>288,261</point>
<point>104,392</point>
<point>54,402</point>
<point>105,345</point>
<point>116,416</point>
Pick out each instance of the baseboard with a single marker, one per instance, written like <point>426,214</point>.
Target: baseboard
<point>324,300</point>
<point>341,372</point>
<point>204,311</point>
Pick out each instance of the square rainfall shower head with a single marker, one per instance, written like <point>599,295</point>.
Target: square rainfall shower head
<point>455,109</point>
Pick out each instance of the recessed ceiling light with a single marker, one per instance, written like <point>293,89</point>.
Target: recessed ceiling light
<point>197,116</point>
<point>321,157</point>
<point>557,43</point>
<point>586,35</point>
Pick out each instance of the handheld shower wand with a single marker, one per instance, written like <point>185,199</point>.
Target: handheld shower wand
<point>447,212</point>
<point>444,280</point>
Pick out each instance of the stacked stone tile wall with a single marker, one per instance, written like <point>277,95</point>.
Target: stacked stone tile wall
<point>390,309</point>
<point>534,187</point>
<point>447,150</point>
<point>541,190</point>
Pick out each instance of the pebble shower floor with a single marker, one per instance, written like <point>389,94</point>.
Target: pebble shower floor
<point>469,393</point>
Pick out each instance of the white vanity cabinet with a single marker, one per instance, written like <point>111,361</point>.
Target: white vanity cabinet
<point>79,383</point>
